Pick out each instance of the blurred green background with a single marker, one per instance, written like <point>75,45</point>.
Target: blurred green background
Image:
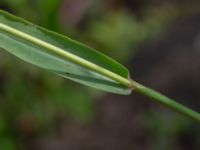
<point>41,111</point>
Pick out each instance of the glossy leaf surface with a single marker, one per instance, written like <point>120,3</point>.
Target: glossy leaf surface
<point>62,55</point>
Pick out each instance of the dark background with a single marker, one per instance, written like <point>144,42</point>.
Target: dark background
<point>158,40</point>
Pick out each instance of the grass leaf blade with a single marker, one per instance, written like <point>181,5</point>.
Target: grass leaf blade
<point>61,55</point>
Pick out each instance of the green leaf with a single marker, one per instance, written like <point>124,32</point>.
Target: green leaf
<point>62,55</point>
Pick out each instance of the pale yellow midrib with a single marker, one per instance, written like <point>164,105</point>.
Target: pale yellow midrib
<point>76,59</point>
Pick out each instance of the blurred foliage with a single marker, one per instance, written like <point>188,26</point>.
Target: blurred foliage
<point>31,100</point>
<point>43,12</point>
<point>165,128</point>
<point>120,33</point>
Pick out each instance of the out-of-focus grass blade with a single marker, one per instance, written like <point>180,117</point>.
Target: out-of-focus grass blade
<point>61,55</point>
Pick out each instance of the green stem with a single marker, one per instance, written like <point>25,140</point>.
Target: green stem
<point>158,97</point>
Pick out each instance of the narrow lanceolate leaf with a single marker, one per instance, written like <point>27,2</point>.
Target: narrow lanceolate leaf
<point>61,55</point>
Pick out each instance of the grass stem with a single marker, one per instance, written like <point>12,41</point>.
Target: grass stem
<point>170,103</point>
